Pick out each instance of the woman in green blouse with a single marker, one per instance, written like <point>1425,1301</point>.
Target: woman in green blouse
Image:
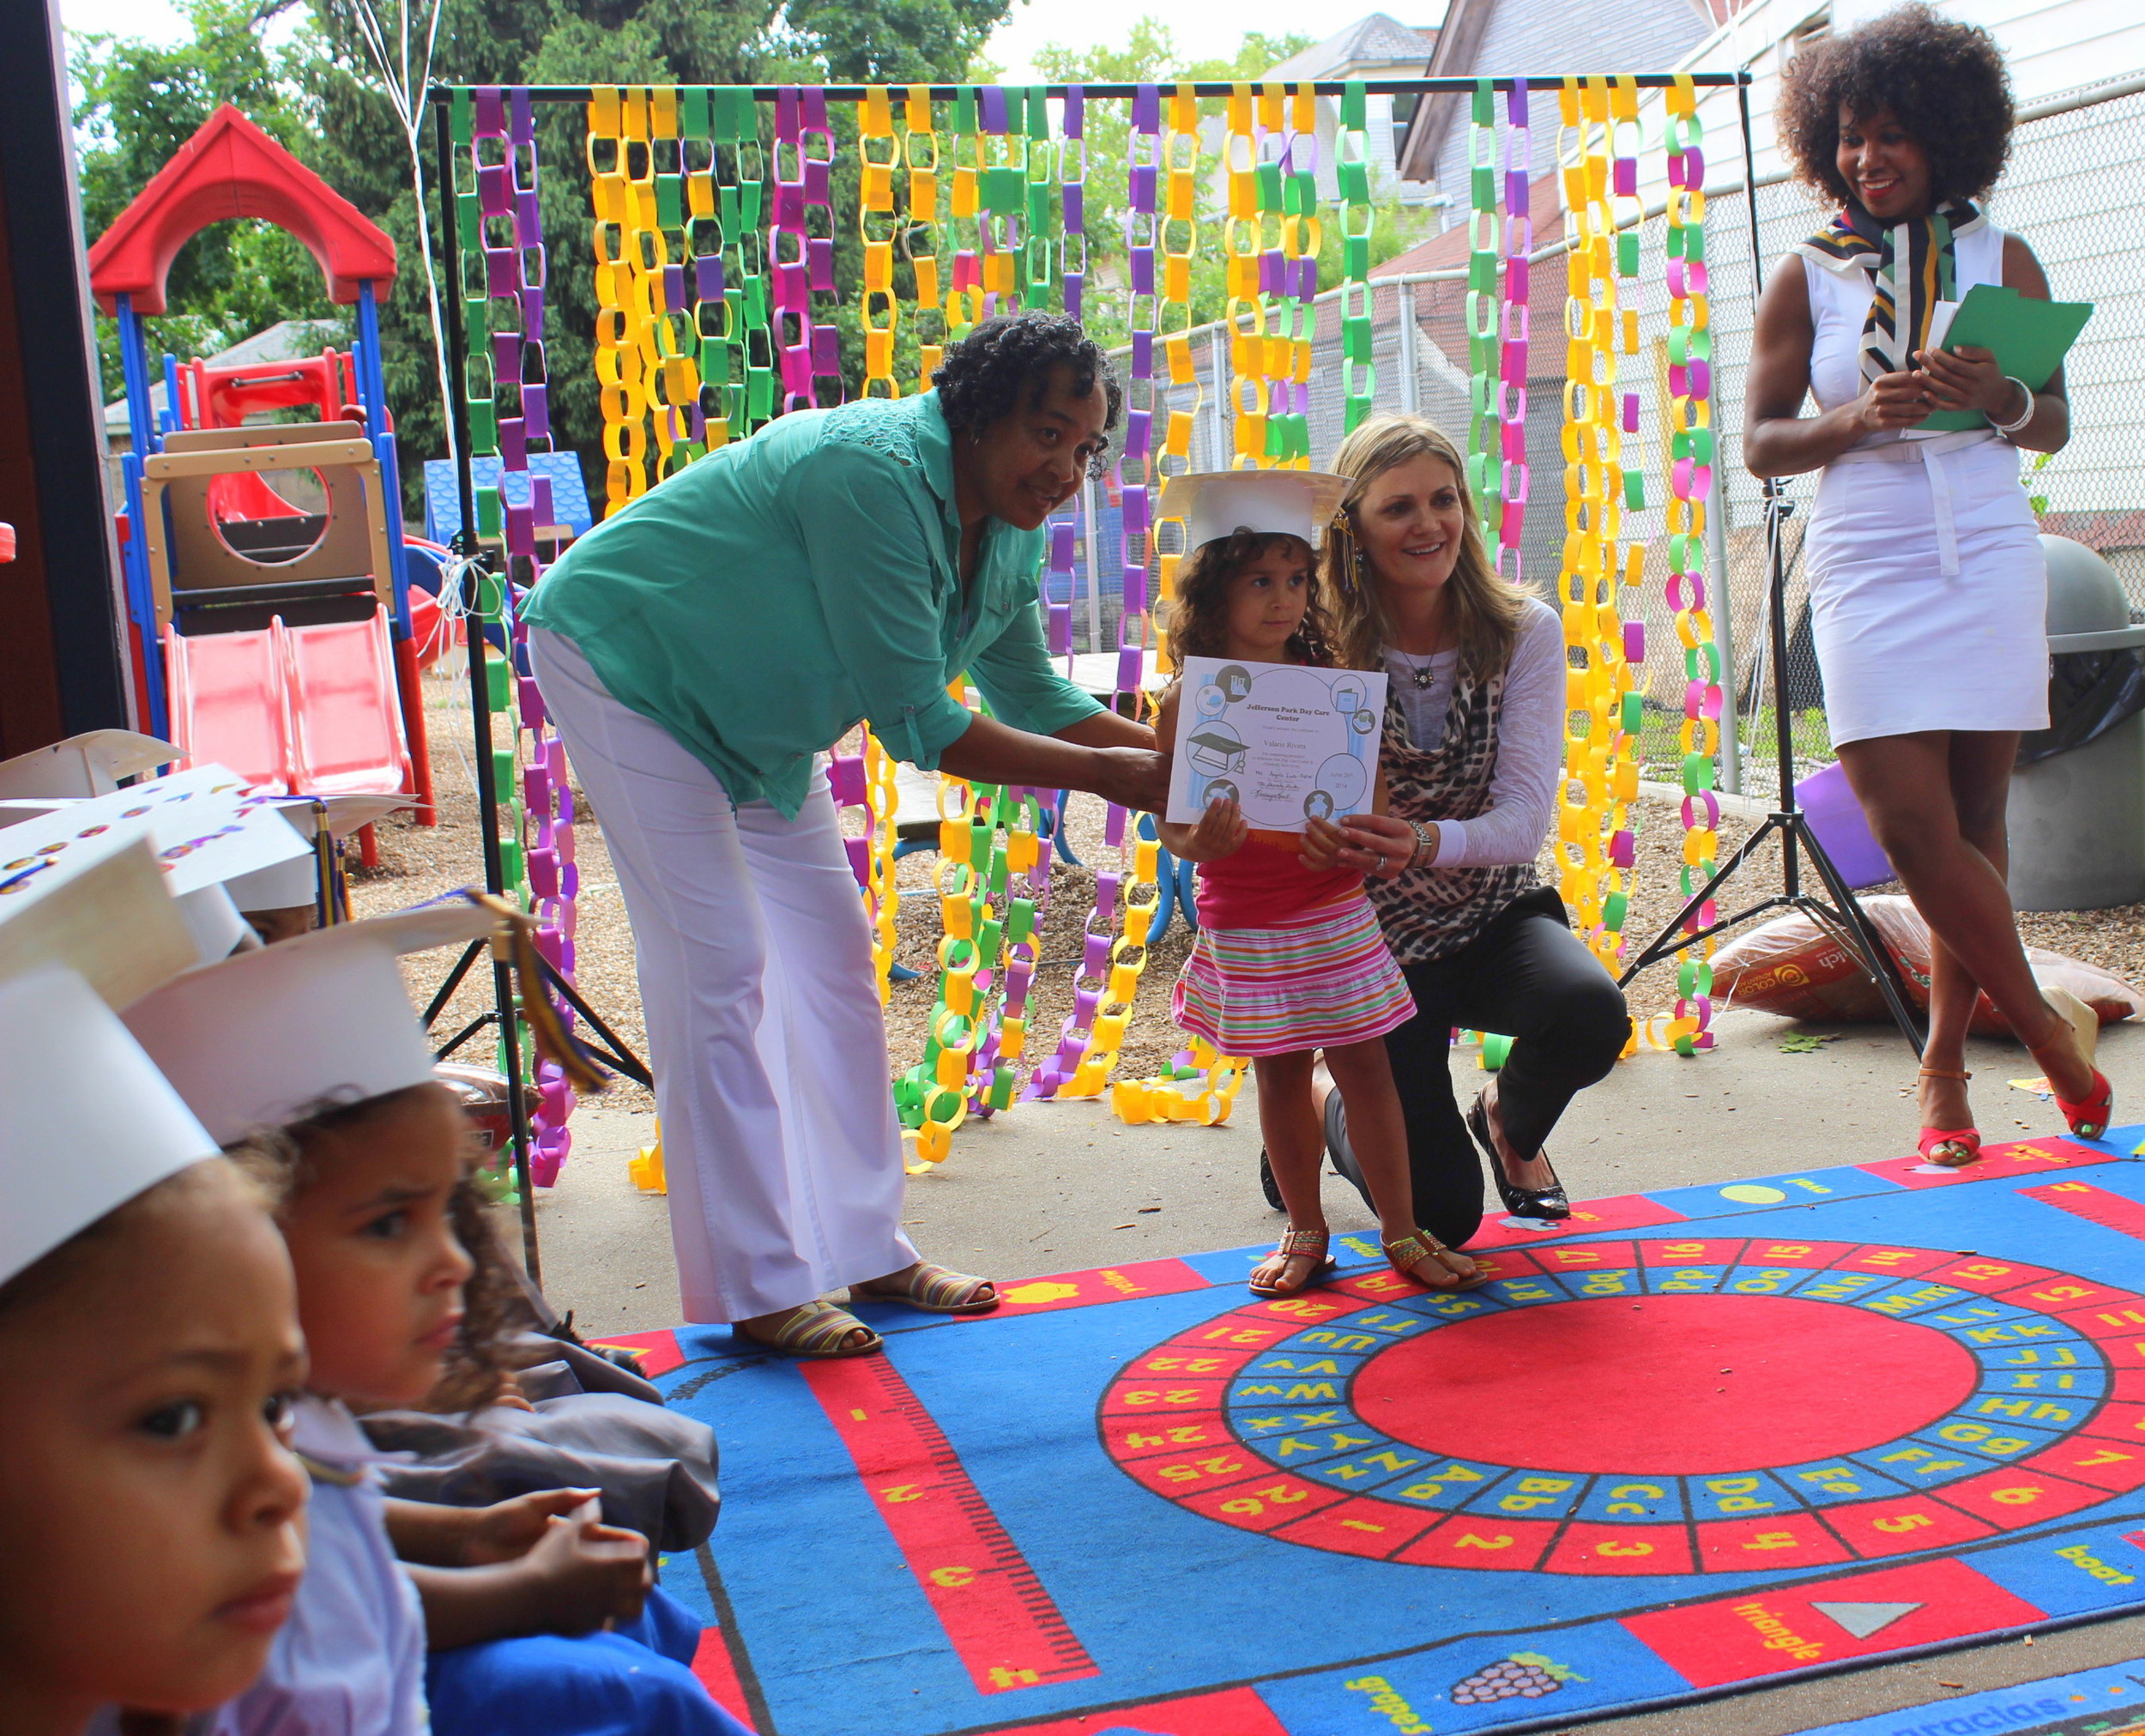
<point>698,651</point>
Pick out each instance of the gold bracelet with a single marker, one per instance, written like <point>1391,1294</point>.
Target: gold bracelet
<point>1425,843</point>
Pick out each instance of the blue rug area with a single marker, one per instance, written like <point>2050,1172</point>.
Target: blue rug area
<point>2106,1702</point>
<point>1698,1439</point>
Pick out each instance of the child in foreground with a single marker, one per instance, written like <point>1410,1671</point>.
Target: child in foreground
<point>1288,961</point>
<point>150,1354</point>
<point>315,1040</point>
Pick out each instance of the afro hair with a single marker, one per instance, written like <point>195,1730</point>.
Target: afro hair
<point>1007,362</point>
<point>1944,81</point>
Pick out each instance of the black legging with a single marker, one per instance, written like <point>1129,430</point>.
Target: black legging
<point>1525,975</point>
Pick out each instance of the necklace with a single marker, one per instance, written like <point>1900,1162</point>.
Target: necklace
<point>1421,673</point>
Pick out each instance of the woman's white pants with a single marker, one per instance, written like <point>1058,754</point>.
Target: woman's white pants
<point>780,1142</point>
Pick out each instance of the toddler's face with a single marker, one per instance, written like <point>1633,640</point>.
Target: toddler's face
<point>152,1518</point>
<point>1267,598</point>
<point>379,1269</point>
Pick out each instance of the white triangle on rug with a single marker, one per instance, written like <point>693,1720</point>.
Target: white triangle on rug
<point>1862,1619</point>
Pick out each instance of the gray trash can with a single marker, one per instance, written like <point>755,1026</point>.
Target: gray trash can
<point>2077,818</point>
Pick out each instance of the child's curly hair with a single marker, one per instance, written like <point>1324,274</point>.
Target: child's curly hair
<point>1199,613</point>
<point>285,1161</point>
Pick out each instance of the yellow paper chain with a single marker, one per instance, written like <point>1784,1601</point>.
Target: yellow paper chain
<point>1205,1094</point>
<point>1601,761</point>
<point>1245,315</point>
<point>880,310</point>
<point>920,151</point>
<point>882,892</point>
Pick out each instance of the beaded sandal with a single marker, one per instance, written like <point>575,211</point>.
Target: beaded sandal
<point>819,1331</point>
<point>1296,1245</point>
<point>1950,1148</point>
<point>1421,1248</point>
<point>934,1289</point>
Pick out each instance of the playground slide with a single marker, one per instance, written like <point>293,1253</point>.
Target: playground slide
<point>346,717</point>
<point>227,704</point>
<point>309,708</point>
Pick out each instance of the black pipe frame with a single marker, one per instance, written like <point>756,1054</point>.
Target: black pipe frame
<point>442,93</point>
<point>467,545</point>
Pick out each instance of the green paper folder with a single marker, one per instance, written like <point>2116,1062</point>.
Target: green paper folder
<point>2029,339</point>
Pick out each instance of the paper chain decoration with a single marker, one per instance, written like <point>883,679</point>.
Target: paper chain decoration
<point>714,268</point>
<point>1690,478</point>
<point>1596,848</point>
<point>500,246</point>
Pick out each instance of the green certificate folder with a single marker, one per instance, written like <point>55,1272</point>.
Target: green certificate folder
<point>2028,338</point>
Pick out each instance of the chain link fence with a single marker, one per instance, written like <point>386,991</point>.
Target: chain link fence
<point>2076,181</point>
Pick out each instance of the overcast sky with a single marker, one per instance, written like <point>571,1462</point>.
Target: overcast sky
<point>1202,28</point>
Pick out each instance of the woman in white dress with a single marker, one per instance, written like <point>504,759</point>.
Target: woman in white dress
<point>1927,585</point>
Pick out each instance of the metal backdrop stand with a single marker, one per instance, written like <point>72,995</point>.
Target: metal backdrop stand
<point>1844,918</point>
<point>477,572</point>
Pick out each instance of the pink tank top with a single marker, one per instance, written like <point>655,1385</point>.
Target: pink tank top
<point>1263,885</point>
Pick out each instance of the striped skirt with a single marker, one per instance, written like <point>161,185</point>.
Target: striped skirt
<point>1327,980</point>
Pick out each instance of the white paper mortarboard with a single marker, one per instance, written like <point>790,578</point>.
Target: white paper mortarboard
<point>87,765</point>
<point>1215,504</point>
<point>289,884</point>
<point>253,1041</point>
<point>86,1121</point>
<point>207,831</point>
<point>101,907</point>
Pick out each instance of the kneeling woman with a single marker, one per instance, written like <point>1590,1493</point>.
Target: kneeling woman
<point>1474,736</point>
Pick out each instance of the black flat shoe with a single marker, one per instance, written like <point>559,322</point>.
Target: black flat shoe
<point>1548,1203</point>
<point>1268,1185</point>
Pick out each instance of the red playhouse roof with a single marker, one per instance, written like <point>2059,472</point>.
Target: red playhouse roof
<point>231,168</point>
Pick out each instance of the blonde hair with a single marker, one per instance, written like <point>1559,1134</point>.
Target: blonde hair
<point>1486,610</point>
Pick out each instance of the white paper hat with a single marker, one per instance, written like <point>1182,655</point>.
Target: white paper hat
<point>86,765</point>
<point>86,1121</point>
<point>1214,504</point>
<point>252,1042</point>
<point>101,907</point>
<point>288,884</point>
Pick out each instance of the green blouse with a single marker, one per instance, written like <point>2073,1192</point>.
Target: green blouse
<point>766,599</point>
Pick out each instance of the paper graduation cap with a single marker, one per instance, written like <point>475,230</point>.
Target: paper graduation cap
<point>256,1040</point>
<point>1214,504</point>
<point>206,828</point>
<point>101,907</point>
<point>289,884</point>
<point>87,765</point>
<point>86,1122</point>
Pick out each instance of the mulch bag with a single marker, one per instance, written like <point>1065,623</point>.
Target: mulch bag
<point>1797,968</point>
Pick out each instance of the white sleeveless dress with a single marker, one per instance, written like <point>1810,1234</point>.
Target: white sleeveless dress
<point>1928,588</point>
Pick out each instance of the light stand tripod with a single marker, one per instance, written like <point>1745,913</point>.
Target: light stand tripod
<point>1844,918</point>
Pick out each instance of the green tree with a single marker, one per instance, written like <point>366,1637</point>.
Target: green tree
<point>136,104</point>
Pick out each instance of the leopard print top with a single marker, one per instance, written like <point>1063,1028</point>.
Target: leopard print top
<point>1431,912</point>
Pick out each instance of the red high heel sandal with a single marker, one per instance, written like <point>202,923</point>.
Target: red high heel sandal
<point>1953,1148</point>
<point>2087,1119</point>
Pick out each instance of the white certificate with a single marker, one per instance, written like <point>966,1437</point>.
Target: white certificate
<point>1285,743</point>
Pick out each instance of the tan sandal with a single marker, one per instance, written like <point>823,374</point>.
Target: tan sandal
<point>934,1289</point>
<point>1296,1245</point>
<point>818,1331</point>
<point>1409,1252</point>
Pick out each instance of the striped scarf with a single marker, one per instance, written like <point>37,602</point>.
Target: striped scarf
<point>1910,268</point>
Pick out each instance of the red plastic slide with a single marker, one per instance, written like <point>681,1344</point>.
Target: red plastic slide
<point>311,709</point>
